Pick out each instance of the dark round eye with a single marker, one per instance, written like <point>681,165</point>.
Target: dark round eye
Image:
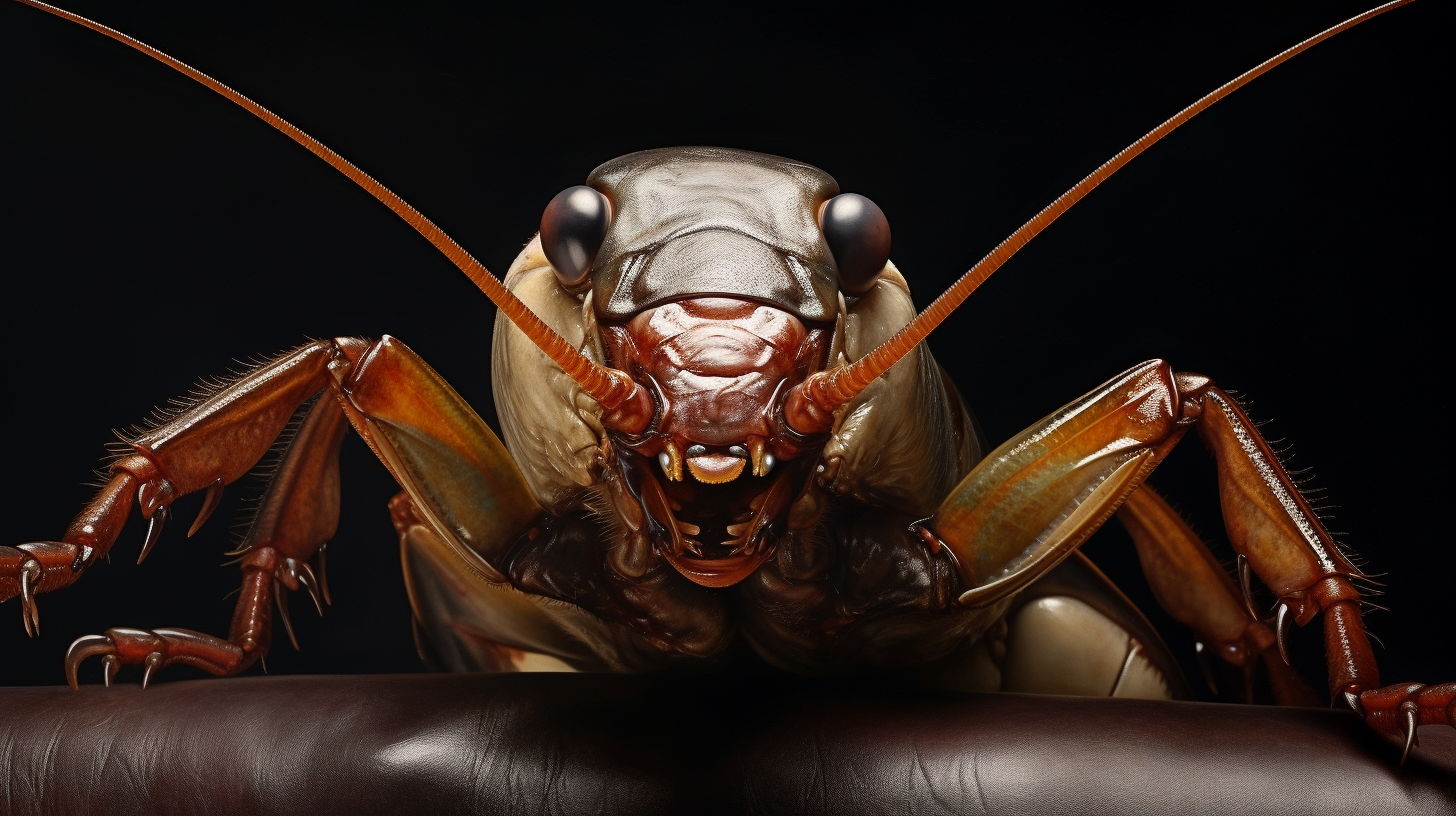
<point>572,229</point>
<point>859,237</point>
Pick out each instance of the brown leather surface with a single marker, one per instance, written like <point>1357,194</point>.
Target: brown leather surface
<point>522,743</point>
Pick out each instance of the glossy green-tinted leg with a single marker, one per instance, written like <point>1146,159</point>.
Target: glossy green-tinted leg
<point>457,473</point>
<point>465,503</point>
<point>1036,498</point>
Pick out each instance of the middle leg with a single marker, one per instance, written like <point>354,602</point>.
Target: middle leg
<point>1196,590</point>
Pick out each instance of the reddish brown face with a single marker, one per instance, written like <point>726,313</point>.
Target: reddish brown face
<point>715,471</point>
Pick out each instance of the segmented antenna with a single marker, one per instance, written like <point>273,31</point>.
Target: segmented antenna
<point>828,390</point>
<point>611,388</point>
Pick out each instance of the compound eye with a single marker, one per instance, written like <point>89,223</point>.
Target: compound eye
<point>859,238</point>
<point>572,230</point>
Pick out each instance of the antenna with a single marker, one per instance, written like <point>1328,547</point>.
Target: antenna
<point>627,405</point>
<point>810,406</point>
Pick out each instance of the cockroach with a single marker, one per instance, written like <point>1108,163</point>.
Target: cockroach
<point>1293,308</point>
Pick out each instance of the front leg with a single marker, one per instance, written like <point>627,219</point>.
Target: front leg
<point>1036,498</point>
<point>1272,526</point>
<point>496,582</point>
<point>456,473</point>
<point>207,446</point>
<point>297,514</point>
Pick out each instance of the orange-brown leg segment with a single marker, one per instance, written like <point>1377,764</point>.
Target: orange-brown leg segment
<point>1197,592</point>
<point>1270,524</point>
<point>455,470</point>
<point>297,515</point>
<point>1033,500</point>
<point>207,446</point>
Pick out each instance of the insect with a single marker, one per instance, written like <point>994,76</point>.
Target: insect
<point>1016,381</point>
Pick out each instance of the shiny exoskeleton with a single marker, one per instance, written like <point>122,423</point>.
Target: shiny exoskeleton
<point>740,453</point>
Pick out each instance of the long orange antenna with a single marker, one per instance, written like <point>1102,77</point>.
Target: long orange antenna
<point>811,405</point>
<point>612,389</point>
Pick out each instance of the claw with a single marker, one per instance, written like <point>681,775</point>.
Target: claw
<point>83,648</point>
<point>154,661</point>
<point>30,573</point>
<point>1353,700</point>
<point>1408,726</point>
<point>209,504</point>
<point>280,599</point>
<point>110,665</point>
<point>310,583</point>
<point>323,575</point>
<point>154,530</point>
<point>763,462</point>
<point>1246,584</point>
<point>1281,630</point>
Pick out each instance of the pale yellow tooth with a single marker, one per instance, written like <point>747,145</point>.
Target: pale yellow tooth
<point>690,529</point>
<point>737,530</point>
<point>674,467</point>
<point>755,450</point>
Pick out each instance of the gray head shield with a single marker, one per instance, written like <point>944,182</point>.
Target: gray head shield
<point>712,221</point>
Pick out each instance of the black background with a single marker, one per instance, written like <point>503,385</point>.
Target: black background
<point>1287,242</point>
